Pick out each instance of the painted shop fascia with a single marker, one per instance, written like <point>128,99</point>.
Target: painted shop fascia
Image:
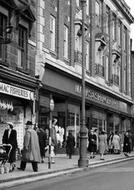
<point>69,84</point>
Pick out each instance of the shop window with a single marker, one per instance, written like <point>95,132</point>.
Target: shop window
<point>94,122</point>
<point>3,23</point>
<point>71,119</point>
<point>22,47</point>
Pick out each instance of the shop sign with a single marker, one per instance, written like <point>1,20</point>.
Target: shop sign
<point>99,97</point>
<point>16,91</point>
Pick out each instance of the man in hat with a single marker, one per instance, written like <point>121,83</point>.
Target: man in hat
<point>10,137</point>
<point>31,151</point>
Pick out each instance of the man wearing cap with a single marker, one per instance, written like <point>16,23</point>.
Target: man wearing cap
<point>31,151</point>
<point>10,137</point>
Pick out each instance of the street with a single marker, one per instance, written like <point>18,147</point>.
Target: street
<point>117,176</point>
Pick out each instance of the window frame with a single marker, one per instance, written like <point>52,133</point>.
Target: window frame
<point>66,43</point>
<point>22,46</point>
<point>52,33</point>
<point>4,19</point>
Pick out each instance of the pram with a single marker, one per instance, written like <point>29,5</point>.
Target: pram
<point>5,150</point>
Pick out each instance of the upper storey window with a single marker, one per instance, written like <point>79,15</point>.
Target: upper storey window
<point>22,47</point>
<point>107,20</point>
<point>114,27</point>
<point>119,32</point>
<point>3,24</point>
<point>98,13</point>
<point>65,42</point>
<point>52,33</point>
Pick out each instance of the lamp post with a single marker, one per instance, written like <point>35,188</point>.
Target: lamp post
<point>51,106</point>
<point>83,161</point>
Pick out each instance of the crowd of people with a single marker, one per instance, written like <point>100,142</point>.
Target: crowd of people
<point>114,143</point>
<point>37,147</point>
<point>36,144</point>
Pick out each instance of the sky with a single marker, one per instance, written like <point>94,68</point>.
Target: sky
<point>131,5</point>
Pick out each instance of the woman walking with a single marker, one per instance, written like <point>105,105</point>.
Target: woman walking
<point>92,147</point>
<point>126,145</point>
<point>102,144</point>
<point>70,145</point>
<point>10,137</point>
<point>116,143</point>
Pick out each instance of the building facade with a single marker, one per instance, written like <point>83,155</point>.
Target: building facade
<point>107,63</point>
<point>17,65</point>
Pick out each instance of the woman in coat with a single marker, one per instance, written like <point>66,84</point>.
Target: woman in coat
<point>31,150</point>
<point>70,144</point>
<point>116,143</point>
<point>10,137</point>
<point>126,144</point>
<point>42,142</point>
<point>102,144</point>
<point>92,146</point>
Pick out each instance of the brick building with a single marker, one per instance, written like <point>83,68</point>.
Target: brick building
<point>17,65</point>
<point>107,63</point>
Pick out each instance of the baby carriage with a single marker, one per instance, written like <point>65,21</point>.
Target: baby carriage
<point>5,150</point>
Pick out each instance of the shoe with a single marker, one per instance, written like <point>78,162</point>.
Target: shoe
<point>12,168</point>
<point>102,159</point>
<point>21,169</point>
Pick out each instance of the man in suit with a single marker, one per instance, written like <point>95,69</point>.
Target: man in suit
<point>10,137</point>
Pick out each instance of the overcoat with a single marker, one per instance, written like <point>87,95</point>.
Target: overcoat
<point>31,144</point>
<point>12,140</point>
<point>102,143</point>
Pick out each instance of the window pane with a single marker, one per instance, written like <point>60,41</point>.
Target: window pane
<point>22,44</point>
<point>52,33</point>
<point>65,42</point>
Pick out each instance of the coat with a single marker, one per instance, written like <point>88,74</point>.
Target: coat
<point>70,144</point>
<point>12,140</point>
<point>31,145</point>
<point>116,142</point>
<point>92,146</point>
<point>102,143</point>
<point>42,141</point>
<point>126,145</point>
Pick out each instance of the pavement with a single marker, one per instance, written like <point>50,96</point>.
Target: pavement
<point>63,165</point>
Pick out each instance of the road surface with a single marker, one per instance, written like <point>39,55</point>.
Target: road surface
<point>113,177</point>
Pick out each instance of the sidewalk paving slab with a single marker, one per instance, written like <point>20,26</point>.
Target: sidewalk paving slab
<point>63,165</point>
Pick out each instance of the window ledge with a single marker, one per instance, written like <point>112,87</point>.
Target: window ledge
<point>23,70</point>
<point>4,63</point>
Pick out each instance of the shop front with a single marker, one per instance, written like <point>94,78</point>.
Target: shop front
<point>104,111</point>
<point>16,106</point>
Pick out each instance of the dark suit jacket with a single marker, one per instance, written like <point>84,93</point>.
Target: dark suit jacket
<point>12,139</point>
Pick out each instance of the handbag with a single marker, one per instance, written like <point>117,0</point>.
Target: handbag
<point>25,155</point>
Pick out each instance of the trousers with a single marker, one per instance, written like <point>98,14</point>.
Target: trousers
<point>34,165</point>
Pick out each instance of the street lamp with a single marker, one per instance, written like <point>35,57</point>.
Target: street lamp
<point>51,106</point>
<point>7,35</point>
<point>83,161</point>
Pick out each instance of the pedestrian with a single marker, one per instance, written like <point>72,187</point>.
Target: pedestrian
<point>70,144</point>
<point>42,142</point>
<point>110,143</point>
<point>92,146</point>
<point>53,140</point>
<point>126,144</point>
<point>116,143</point>
<point>102,144</point>
<point>10,137</point>
<point>31,150</point>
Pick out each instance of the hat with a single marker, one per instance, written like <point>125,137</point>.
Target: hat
<point>10,123</point>
<point>29,123</point>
